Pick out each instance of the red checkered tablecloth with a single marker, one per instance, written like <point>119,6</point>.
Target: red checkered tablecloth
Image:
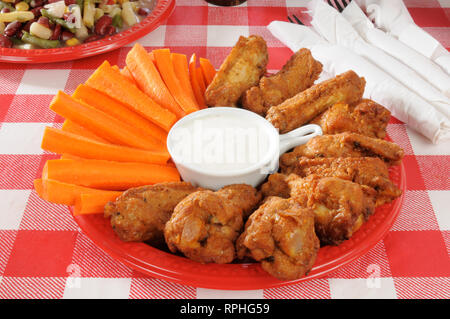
<point>43,254</point>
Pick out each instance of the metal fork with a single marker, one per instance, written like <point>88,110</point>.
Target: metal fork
<point>297,20</point>
<point>340,5</point>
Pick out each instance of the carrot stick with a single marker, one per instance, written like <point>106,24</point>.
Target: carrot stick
<point>116,68</point>
<point>112,83</point>
<point>108,175</point>
<point>72,127</point>
<point>63,193</point>
<point>38,187</point>
<point>152,57</point>
<point>208,70</point>
<point>104,103</point>
<point>60,142</point>
<point>126,73</point>
<point>180,65</point>
<point>101,123</point>
<point>45,170</point>
<point>199,95</point>
<point>201,79</point>
<point>144,71</point>
<point>69,156</point>
<point>93,203</point>
<point>169,76</point>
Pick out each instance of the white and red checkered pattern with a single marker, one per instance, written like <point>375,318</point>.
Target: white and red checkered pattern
<point>43,254</point>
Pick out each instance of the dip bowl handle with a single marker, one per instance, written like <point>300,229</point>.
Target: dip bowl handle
<point>298,137</point>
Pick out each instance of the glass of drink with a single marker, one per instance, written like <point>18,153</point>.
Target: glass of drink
<point>226,3</point>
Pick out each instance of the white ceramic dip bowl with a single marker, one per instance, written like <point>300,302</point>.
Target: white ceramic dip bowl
<point>219,146</point>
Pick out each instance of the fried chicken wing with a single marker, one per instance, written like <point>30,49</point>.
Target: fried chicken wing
<point>340,206</point>
<point>298,74</point>
<point>280,234</point>
<point>140,213</point>
<point>369,171</point>
<point>277,185</point>
<point>345,145</point>
<point>205,225</point>
<point>305,106</point>
<point>365,117</point>
<point>241,70</point>
<point>242,195</point>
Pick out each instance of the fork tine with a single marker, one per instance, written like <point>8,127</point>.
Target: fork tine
<point>297,19</point>
<point>338,5</point>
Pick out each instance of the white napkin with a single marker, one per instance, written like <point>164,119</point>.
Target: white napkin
<point>425,67</point>
<point>380,86</point>
<point>336,29</point>
<point>393,17</point>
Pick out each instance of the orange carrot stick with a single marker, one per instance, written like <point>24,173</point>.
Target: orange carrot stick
<point>169,76</point>
<point>141,66</point>
<point>62,193</point>
<point>93,203</point>
<point>101,123</point>
<point>181,67</point>
<point>70,156</point>
<point>199,95</point>
<point>208,70</point>
<point>201,79</point>
<point>108,175</point>
<point>152,57</point>
<point>112,83</point>
<point>116,68</point>
<point>72,127</point>
<point>126,73</point>
<point>38,187</point>
<point>104,103</point>
<point>61,142</point>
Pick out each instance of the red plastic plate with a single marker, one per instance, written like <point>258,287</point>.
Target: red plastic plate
<point>162,11</point>
<point>160,264</point>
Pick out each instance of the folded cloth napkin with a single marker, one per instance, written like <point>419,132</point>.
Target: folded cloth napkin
<point>425,67</point>
<point>393,17</point>
<point>403,103</point>
<point>329,23</point>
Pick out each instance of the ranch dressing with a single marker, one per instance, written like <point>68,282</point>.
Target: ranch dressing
<point>219,142</point>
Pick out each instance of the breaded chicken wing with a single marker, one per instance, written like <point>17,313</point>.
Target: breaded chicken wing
<point>140,213</point>
<point>305,106</point>
<point>280,234</point>
<point>345,145</point>
<point>340,206</point>
<point>369,171</point>
<point>365,117</point>
<point>298,74</point>
<point>205,225</point>
<point>242,195</point>
<point>241,70</point>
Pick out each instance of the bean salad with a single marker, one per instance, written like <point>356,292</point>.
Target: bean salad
<point>44,24</point>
